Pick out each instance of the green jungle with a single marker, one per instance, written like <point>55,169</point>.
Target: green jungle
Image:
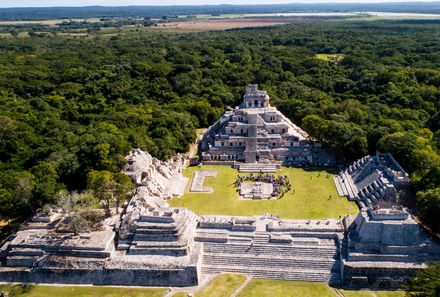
<point>72,107</point>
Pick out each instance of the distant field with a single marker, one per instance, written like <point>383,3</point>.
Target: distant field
<point>330,57</point>
<point>313,196</point>
<point>48,22</point>
<point>227,23</point>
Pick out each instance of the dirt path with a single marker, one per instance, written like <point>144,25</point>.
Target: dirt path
<point>243,285</point>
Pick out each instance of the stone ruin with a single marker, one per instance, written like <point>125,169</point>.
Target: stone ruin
<point>152,244</point>
<point>256,132</point>
<point>385,247</point>
<point>155,177</point>
<point>371,180</point>
<point>198,180</point>
<point>267,247</point>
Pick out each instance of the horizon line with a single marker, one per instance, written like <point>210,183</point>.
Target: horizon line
<point>342,2</point>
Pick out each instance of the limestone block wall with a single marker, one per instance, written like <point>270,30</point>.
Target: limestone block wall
<point>386,277</point>
<point>187,276</point>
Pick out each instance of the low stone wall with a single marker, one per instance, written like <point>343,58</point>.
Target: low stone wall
<point>187,276</point>
<point>382,277</point>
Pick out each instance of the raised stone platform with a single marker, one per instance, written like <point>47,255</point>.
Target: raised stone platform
<point>257,190</point>
<point>271,248</point>
<point>198,179</point>
<point>385,247</point>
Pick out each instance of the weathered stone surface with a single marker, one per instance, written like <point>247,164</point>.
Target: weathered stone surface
<point>385,247</point>
<point>257,132</point>
<point>372,180</point>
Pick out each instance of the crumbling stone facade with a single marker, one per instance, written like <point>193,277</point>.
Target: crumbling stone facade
<point>257,132</point>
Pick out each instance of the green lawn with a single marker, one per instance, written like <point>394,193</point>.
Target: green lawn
<point>79,291</point>
<point>308,199</point>
<point>354,293</point>
<point>222,286</point>
<point>181,294</point>
<point>280,288</point>
<point>390,293</point>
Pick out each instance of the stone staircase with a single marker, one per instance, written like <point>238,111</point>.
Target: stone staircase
<point>167,234</point>
<point>362,182</point>
<point>257,168</point>
<point>263,260</point>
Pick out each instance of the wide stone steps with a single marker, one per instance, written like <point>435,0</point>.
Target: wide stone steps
<point>26,252</point>
<point>380,257</point>
<point>256,167</point>
<point>281,263</point>
<point>261,238</point>
<point>271,250</point>
<point>339,188</point>
<point>162,252</point>
<point>291,274</point>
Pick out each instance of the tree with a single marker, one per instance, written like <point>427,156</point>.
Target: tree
<point>123,185</point>
<point>102,184</point>
<point>45,183</point>
<point>81,215</point>
<point>426,283</point>
<point>20,185</point>
<point>428,204</point>
<point>401,145</point>
<point>315,126</point>
<point>7,205</point>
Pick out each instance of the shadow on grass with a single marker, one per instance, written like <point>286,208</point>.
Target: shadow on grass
<point>17,290</point>
<point>329,170</point>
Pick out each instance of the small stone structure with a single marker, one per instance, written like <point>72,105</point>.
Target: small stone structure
<point>257,190</point>
<point>198,179</point>
<point>256,132</point>
<point>385,247</point>
<point>372,179</point>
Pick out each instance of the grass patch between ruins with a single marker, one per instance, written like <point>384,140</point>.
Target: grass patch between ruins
<point>281,288</point>
<point>308,199</point>
<point>222,285</point>
<point>79,291</point>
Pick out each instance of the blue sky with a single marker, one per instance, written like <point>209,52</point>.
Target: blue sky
<point>40,3</point>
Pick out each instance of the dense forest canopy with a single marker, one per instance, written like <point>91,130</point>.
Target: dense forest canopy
<point>70,106</point>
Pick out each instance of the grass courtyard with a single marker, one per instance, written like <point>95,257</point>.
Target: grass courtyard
<point>222,285</point>
<point>225,284</point>
<point>78,291</point>
<point>313,196</point>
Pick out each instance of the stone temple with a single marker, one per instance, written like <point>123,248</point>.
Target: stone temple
<point>371,180</point>
<point>256,132</point>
